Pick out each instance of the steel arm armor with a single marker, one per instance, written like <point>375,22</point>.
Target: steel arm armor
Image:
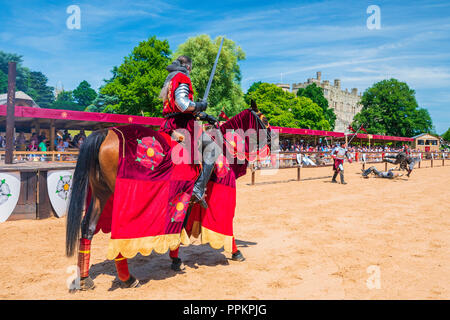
<point>182,97</point>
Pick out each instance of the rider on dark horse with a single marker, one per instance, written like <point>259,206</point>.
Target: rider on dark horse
<point>403,158</point>
<point>180,112</point>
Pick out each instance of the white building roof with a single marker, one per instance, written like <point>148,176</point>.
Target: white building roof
<point>19,95</point>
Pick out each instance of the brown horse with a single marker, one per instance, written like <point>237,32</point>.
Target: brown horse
<point>96,168</point>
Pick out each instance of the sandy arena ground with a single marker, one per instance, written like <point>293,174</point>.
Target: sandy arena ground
<point>302,240</point>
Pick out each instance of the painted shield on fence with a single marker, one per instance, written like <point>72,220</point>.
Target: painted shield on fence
<point>9,193</point>
<point>59,185</point>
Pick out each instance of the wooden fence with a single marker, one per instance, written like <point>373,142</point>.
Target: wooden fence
<point>306,159</point>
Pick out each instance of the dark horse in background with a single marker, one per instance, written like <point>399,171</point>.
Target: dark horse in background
<point>406,162</point>
<point>95,177</point>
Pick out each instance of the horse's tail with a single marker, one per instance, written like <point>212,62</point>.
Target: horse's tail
<point>87,165</point>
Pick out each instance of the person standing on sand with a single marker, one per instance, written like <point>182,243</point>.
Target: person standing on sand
<point>339,154</point>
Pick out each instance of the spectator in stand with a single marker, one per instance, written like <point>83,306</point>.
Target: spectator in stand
<point>21,142</point>
<point>43,145</point>
<point>81,134</point>
<point>60,146</point>
<point>32,146</point>
<point>35,138</point>
<point>80,142</point>
<point>41,137</point>
<point>67,142</point>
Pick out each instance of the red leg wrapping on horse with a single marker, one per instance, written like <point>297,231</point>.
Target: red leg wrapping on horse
<point>84,255</point>
<point>234,248</point>
<point>174,253</point>
<point>122,268</point>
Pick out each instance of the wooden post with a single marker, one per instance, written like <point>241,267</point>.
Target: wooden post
<point>52,135</point>
<point>385,166</point>
<point>37,127</point>
<point>364,166</point>
<point>253,177</point>
<point>11,103</point>
<point>432,156</point>
<point>298,173</point>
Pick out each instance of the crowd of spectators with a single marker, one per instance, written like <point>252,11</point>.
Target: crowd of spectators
<point>326,146</point>
<point>63,141</point>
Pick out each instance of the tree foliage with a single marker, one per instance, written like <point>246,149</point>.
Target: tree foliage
<point>22,73</point>
<point>136,83</point>
<point>38,89</point>
<point>390,108</point>
<point>3,82</point>
<point>284,109</point>
<point>226,92</point>
<point>315,93</point>
<point>33,83</point>
<point>103,103</point>
<point>84,94</point>
<point>446,135</point>
<point>253,87</point>
<point>65,100</point>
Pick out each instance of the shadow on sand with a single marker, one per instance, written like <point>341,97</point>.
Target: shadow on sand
<point>157,266</point>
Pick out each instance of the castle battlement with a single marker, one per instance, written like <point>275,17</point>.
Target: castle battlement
<point>345,103</point>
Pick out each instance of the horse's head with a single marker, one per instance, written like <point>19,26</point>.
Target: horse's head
<point>262,123</point>
<point>260,115</point>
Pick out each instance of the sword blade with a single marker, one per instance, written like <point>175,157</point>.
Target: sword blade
<point>208,87</point>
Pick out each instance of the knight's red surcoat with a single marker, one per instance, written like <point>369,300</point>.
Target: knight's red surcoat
<point>178,119</point>
<point>169,104</point>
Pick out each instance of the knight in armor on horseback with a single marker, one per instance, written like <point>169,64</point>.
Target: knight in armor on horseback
<point>339,154</point>
<point>180,112</point>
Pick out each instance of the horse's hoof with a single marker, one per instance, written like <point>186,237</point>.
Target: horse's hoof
<point>177,264</point>
<point>132,282</point>
<point>237,256</point>
<point>86,284</point>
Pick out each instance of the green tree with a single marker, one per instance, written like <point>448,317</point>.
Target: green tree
<point>446,135</point>
<point>103,103</point>
<point>137,82</point>
<point>33,83</point>
<point>84,94</point>
<point>3,82</point>
<point>65,100</point>
<point>284,109</point>
<point>315,93</point>
<point>252,88</point>
<point>390,108</point>
<point>22,73</point>
<point>226,92</point>
<point>38,89</point>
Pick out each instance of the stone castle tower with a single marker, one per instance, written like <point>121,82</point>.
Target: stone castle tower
<point>344,103</point>
<point>58,89</point>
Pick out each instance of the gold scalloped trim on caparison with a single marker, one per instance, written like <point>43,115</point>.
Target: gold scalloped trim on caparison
<point>216,240</point>
<point>160,244</point>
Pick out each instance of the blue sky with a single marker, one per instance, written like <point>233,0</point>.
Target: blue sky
<point>283,40</point>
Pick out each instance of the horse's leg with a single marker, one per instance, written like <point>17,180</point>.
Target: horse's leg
<point>109,158</point>
<point>177,264</point>
<point>88,226</point>
<point>236,255</point>
<point>124,274</point>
